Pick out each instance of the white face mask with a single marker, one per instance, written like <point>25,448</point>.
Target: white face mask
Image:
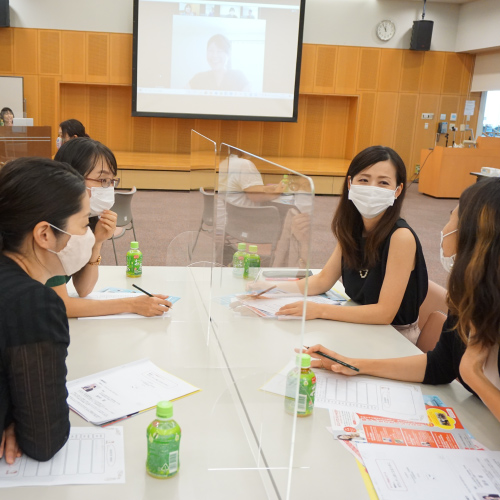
<point>59,142</point>
<point>77,251</point>
<point>446,262</point>
<point>101,199</point>
<point>371,200</point>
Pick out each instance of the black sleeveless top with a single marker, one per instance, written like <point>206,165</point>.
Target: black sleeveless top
<point>367,290</point>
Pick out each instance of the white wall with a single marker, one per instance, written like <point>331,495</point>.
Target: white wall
<point>479,26</point>
<point>486,72</point>
<point>330,22</point>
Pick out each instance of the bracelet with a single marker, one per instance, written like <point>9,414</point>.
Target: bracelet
<point>96,263</point>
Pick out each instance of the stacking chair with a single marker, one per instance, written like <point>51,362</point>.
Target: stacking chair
<point>254,225</point>
<point>125,219</point>
<point>207,217</point>
<point>432,316</point>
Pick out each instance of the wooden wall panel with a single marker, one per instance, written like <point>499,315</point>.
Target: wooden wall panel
<point>405,128</point>
<point>384,120</point>
<point>31,95</point>
<point>184,135</point>
<point>346,75</point>
<point>315,108</point>
<point>308,70</point>
<point>6,51</point>
<point>271,139</point>
<point>25,52</point>
<point>325,69</point>
<point>293,133</point>
<point>208,128</point>
<point>97,124</point>
<point>73,56</point>
<point>141,134</point>
<point>97,60</point>
<point>424,138</point>
<point>368,71</point>
<point>119,118</point>
<point>452,80</point>
<point>74,103</point>
<point>164,137</point>
<point>352,120</point>
<point>432,72</point>
<point>365,120</point>
<point>391,63</point>
<point>250,137</point>
<point>411,71</point>
<point>49,52</point>
<point>335,127</point>
<point>468,65</point>
<point>120,55</point>
<point>48,103</point>
<point>229,132</point>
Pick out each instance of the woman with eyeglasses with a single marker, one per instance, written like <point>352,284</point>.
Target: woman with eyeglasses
<point>97,164</point>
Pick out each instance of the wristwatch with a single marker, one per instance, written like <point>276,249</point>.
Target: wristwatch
<point>97,262</point>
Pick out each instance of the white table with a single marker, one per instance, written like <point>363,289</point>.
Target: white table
<point>236,440</point>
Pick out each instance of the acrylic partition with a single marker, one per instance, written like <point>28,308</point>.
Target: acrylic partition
<point>263,204</point>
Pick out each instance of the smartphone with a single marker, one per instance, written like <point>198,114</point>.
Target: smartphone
<point>292,273</point>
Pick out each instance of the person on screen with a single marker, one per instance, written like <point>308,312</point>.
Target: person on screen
<point>220,76</point>
<point>69,129</point>
<point>188,10</point>
<point>378,255</point>
<point>468,348</point>
<point>97,164</point>
<point>249,14</point>
<point>7,117</point>
<point>232,13</point>
<point>44,212</point>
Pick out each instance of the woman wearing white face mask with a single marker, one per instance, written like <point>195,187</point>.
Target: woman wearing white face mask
<point>378,255</point>
<point>43,232</point>
<point>97,164</point>
<point>468,348</point>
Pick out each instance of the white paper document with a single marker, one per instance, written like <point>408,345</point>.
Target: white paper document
<point>90,456</point>
<point>360,394</point>
<point>404,473</point>
<point>124,391</point>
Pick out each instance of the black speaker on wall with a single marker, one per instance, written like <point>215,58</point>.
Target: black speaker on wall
<point>4,14</point>
<point>421,35</point>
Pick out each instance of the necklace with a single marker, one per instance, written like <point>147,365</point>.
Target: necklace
<point>363,273</point>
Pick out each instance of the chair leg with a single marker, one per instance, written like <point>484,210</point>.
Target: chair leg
<point>197,236</point>
<point>133,231</point>
<point>114,250</point>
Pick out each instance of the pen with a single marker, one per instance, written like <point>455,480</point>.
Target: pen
<point>144,291</point>
<point>263,292</point>
<point>336,360</point>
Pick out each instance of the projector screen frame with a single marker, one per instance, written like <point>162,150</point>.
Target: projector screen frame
<point>291,119</point>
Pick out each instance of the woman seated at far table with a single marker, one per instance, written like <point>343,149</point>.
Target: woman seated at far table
<point>378,255</point>
<point>97,164</point>
<point>469,344</point>
<point>43,222</point>
<point>70,129</point>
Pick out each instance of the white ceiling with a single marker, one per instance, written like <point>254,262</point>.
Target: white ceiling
<point>448,1</point>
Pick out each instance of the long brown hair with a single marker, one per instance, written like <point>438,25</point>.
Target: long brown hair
<point>474,284</point>
<point>347,223</point>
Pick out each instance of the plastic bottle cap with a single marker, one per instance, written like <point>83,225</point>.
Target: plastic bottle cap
<point>252,248</point>
<point>242,246</point>
<point>285,176</point>
<point>304,360</point>
<point>164,409</point>
<point>134,244</point>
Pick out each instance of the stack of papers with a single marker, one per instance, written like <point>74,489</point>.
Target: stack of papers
<point>124,391</point>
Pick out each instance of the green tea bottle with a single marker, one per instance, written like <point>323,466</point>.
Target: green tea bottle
<point>164,439</point>
<point>285,182</point>
<point>252,263</point>
<point>307,387</point>
<point>239,260</point>
<point>134,260</point>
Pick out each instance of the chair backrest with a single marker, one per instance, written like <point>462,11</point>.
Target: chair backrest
<point>253,224</point>
<point>431,331</point>
<point>434,301</point>
<point>208,206</point>
<point>122,207</point>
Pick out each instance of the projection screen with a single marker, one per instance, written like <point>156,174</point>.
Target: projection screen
<point>217,59</point>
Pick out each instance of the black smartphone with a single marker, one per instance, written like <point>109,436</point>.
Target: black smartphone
<point>292,273</point>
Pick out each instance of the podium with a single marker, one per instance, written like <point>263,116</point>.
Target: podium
<point>16,142</point>
<point>446,172</point>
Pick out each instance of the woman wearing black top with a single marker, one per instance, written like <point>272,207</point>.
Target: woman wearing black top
<point>469,344</point>
<point>378,255</point>
<point>44,216</point>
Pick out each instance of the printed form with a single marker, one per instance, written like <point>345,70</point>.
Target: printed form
<point>90,456</point>
<point>360,394</point>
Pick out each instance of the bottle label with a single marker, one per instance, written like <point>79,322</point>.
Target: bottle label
<point>238,265</point>
<point>163,454</point>
<point>307,389</point>
<point>134,264</point>
<point>253,272</point>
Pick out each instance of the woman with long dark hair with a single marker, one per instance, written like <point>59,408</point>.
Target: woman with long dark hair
<point>70,129</point>
<point>468,348</point>
<point>43,232</point>
<point>97,164</point>
<point>378,255</point>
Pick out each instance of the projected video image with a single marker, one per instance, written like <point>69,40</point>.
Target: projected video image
<point>225,54</point>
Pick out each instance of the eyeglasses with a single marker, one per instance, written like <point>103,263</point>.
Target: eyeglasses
<point>105,183</point>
